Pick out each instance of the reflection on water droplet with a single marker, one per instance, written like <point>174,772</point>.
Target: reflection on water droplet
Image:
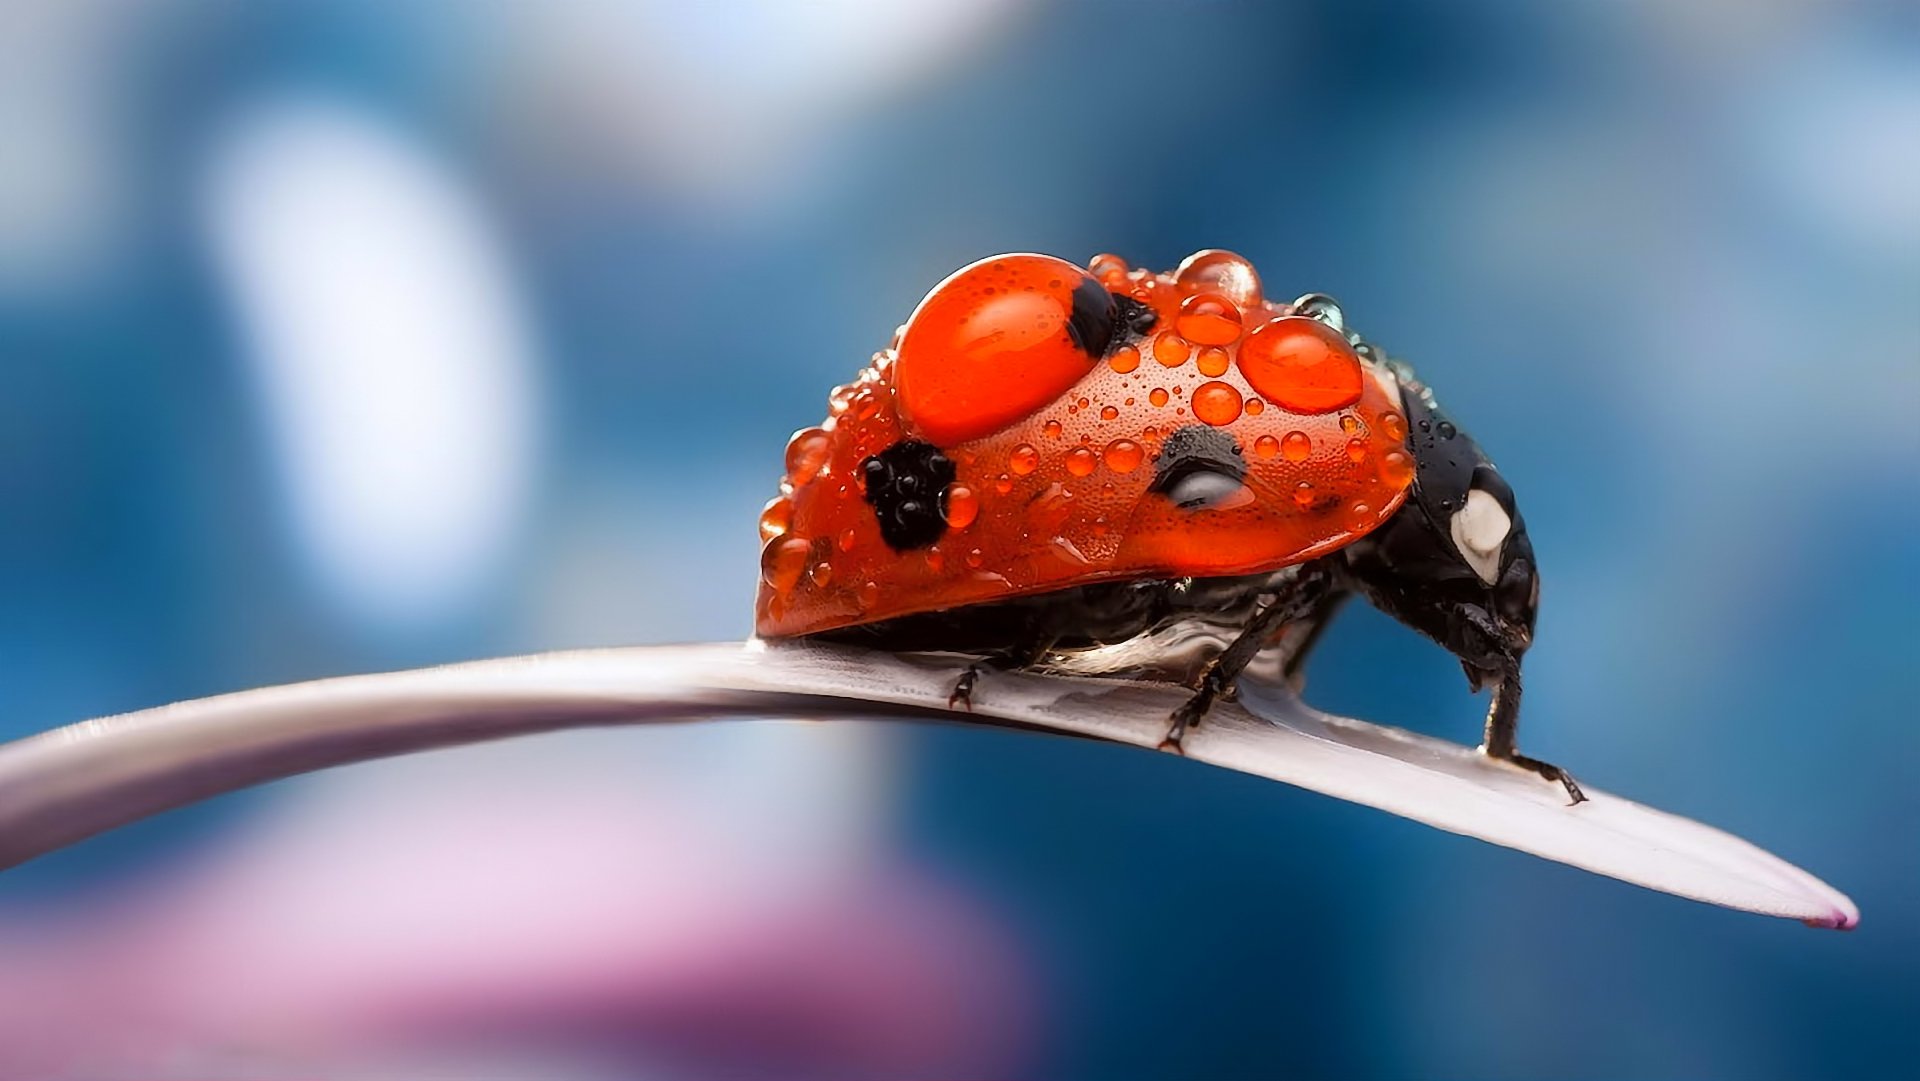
<point>1303,495</point>
<point>1208,319</point>
<point>1349,423</point>
<point>1396,469</point>
<point>1024,460</point>
<point>974,558</point>
<point>847,540</point>
<point>822,573</point>
<point>776,518</point>
<point>962,506</point>
<point>1170,351</point>
<point>782,562</point>
<point>1216,403</point>
<point>1221,272</point>
<point>807,454</point>
<point>1003,484</point>
<point>1394,425</point>
<point>1301,365</point>
<point>1356,450</point>
<point>1124,456</point>
<point>1109,268</point>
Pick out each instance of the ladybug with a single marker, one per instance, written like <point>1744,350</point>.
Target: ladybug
<point>1161,475</point>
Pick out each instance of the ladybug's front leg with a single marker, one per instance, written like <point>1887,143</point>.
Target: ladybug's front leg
<point>1501,741</point>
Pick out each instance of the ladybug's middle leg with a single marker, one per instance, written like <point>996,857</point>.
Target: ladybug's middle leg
<point>1310,595</point>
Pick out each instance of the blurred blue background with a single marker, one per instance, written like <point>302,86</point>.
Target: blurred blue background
<point>349,335</point>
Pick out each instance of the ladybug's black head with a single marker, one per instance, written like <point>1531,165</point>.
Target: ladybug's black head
<point>1454,561</point>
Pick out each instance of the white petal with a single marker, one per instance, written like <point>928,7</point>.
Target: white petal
<point>64,785</point>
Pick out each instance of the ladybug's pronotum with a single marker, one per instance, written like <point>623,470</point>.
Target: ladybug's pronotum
<point>1114,470</point>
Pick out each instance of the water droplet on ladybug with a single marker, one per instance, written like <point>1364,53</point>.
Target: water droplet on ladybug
<point>821,574</point>
<point>1360,515</point>
<point>1301,365</point>
<point>869,594</point>
<point>1266,446</point>
<point>1158,397</point>
<point>1255,407</point>
<point>1220,272</point>
<point>962,506</point>
<point>1108,412</point>
<point>1216,403</point>
<point>1446,430</point>
<point>1024,460</point>
<point>782,562</point>
<point>1003,484</point>
<point>1396,469</point>
<point>1109,268</point>
<point>1303,495</point>
<point>1296,447</point>
<point>1081,461</point>
<point>807,454</point>
<point>776,518</point>
<point>1170,351</point>
<point>1394,425</point>
<point>1051,429</point>
<point>1349,423</point>
<point>847,540</point>
<point>1124,359</point>
<point>974,558</point>
<point>1212,361</point>
<point>1124,455</point>
<point>935,561</point>
<point>1356,450</point>
<point>1208,319</point>
<point>1321,308</point>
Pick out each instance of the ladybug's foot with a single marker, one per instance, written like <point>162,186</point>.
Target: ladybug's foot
<point>962,696</point>
<point>1189,714</point>
<point>1551,772</point>
<point>1503,721</point>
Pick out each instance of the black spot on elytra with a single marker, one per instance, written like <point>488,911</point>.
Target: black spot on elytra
<point>907,488</point>
<point>1102,321</point>
<point>1198,467</point>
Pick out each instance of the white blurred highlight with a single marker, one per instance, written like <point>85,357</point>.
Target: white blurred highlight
<point>385,337</point>
<point>719,102</point>
<point>63,189</point>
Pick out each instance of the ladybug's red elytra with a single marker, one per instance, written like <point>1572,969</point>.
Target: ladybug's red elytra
<point>1120,471</point>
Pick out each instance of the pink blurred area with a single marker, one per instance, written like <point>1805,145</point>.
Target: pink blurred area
<point>431,917</point>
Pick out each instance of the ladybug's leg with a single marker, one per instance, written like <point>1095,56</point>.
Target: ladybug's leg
<point>1024,655</point>
<point>1311,594</point>
<point>1503,727</point>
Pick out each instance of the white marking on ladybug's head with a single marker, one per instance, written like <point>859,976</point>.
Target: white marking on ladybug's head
<point>1480,531</point>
